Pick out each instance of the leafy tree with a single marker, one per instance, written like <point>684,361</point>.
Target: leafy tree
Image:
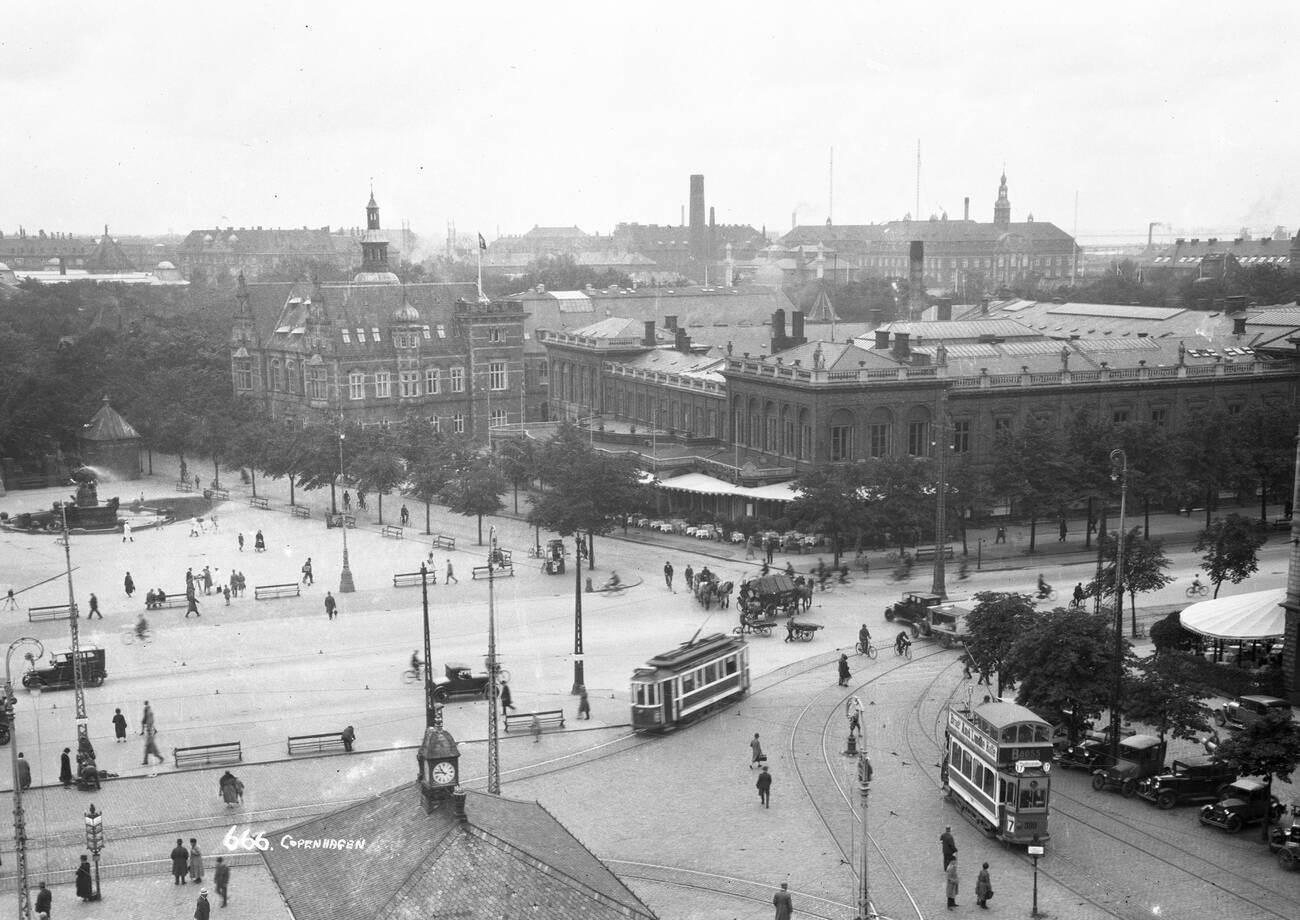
<point>1144,569</point>
<point>1169,635</point>
<point>894,492</point>
<point>1266,435</point>
<point>476,492</point>
<point>377,467</point>
<point>997,620</point>
<point>517,460</point>
<point>1164,693</point>
<point>1028,468</point>
<point>1267,747</point>
<point>830,501</point>
<point>1208,465</point>
<point>433,459</point>
<point>1065,660</point>
<point>1231,550</point>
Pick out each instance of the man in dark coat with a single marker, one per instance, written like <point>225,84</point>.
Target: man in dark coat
<point>119,725</point>
<point>844,670</point>
<point>764,785</point>
<point>949,846</point>
<point>221,878</point>
<point>507,703</point>
<point>65,767</point>
<point>203,908</point>
<point>331,605</point>
<point>24,772</point>
<point>784,906</point>
<point>180,862</point>
<point>128,583</point>
<point>85,886</point>
<point>349,737</point>
<point>44,898</point>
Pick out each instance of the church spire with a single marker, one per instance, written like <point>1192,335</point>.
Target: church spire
<point>1002,208</point>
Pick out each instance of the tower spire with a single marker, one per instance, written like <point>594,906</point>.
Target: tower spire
<point>1002,208</point>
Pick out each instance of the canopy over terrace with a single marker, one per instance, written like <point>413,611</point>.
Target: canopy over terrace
<point>1242,617</point>
<point>700,492</point>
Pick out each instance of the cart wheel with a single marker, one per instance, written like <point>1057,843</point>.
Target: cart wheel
<point>1166,800</point>
<point>98,681</point>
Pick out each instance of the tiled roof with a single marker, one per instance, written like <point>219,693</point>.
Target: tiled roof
<point>352,305</point>
<point>508,859</point>
<point>612,327</point>
<point>107,425</point>
<point>838,356</point>
<point>958,330</point>
<point>859,236</point>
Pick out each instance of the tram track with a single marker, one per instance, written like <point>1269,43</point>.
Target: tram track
<point>1140,839</point>
<point>727,886</point>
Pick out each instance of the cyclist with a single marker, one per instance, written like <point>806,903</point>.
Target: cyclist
<point>1196,583</point>
<point>416,664</point>
<point>141,628</point>
<point>864,639</point>
<point>1078,594</point>
<point>1044,588</point>
<point>901,642</point>
<point>614,580</point>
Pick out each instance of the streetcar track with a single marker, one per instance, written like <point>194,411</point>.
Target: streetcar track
<point>726,885</point>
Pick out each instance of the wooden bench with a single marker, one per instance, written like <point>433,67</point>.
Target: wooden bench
<point>301,511</point>
<point>220,495</point>
<point>184,485</point>
<point>412,579</point>
<point>207,754</point>
<point>501,570</point>
<point>56,612</point>
<point>545,717</point>
<point>177,599</point>
<point>260,502</point>
<point>393,530</point>
<point>444,542</point>
<point>926,554</point>
<point>316,744</point>
<point>271,592</point>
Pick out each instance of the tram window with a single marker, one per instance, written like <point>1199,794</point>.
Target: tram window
<point>1009,735</point>
<point>710,673</point>
<point>987,785</point>
<point>730,664</point>
<point>1042,733</point>
<point>1032,795</point>
<point>965,762</point>
<point>688,682</point>
<point>1027,733</point>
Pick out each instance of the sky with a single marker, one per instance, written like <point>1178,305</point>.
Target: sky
<point>501,116</point>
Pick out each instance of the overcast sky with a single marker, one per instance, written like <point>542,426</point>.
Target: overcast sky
<point>504,115</point>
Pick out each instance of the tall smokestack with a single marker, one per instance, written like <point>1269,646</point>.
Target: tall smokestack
<point>966,210</point>
<point>697,217</point>
<point>916,278</point>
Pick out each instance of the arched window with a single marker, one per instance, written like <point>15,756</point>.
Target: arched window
<point>880,433</point>
<point>291,376</point>
<point>277,376</point>
<point>805,435</point>
<point>755,424</point>
<point>841,434</point>
<point>918,431</point>
<point>769,427</point>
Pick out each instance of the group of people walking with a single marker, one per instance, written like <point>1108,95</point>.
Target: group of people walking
<point>983,884</point>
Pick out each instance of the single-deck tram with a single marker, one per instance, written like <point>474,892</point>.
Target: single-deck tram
<point>676,686</point>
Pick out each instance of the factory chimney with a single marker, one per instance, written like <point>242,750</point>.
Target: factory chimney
<point>697,226</point>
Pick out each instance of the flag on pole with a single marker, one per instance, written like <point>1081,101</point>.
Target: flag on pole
<point>482,243</point>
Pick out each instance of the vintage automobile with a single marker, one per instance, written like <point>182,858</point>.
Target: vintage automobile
<point>59,676</point>
<point>1284,842</point>
<point>914,610</point>
<point>1139,757</point>
<point>948,624</point>
<point>1245,710</point>
<point>1245,801</point>
<point>459,680</point>
<point>1192,779</point>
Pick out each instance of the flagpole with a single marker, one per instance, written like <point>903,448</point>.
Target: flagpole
<point>479,252</point>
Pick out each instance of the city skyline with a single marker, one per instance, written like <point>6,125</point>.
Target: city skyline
<point>592,115</point>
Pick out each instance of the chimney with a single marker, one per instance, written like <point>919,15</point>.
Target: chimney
<point>916,277</point>
<point>697,235</point>
<point>1236,304</point>
<point>649,333</point>
<point>670,323</point>
<point>966,209</point>
<point>682,342</point>
<point>458,798</point>
<point>945,309</point>
<point>882,338</point>
<point>778,331</point>
<point>1239,325</point>
<point>63,265</point>
<point>984,306</point>
<point>796,328</point>
<point>902,345</point>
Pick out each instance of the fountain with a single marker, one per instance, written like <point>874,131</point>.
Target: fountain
<point>85,513</point>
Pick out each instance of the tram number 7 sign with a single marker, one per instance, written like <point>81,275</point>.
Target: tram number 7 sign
<point>1011,824</point>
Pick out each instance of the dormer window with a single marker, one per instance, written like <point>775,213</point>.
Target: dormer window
<point>442,331</point>
<point>347,336</point>
<point>361,335</point>
<point>374,330</point>
<point>494,334</point>
<point>426,331</point>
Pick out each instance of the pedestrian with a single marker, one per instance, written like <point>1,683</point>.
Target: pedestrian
<point>405,515</point>
<point>225,592</point>
<point>781,900</point>
<point>129,584</point>
<point>361,500</point>
<point>1002,534</point>
<point>749,547</point>
<point>44,898</point>
<point>231,789</point>
<point>85,885</point>
<point>756,755</point>
<point>985,678</point>
<point>771,549</point>
<point>668,576</point>
<point>146,718</point>
<point>535,726</point>
<point>94,608</point>
<point>259,542</point>
<point>690,577</point>
<point>191,605</point>
<point>65,767</point>
<point>1064,531</point>
<point>349,736</point>
<point>764,785</point>
<point>11,603</point>
<point>126,532</point>
<point>196,861</point>
<point>331,605</point>
<point>949,846</point>
<point>965,668</point>
<point>24,772</point>
<point>584,707</point>
<point>450,576</point>
<point>983,887</point>
<point>119,725</point>
<point>202,909</point>
<point>221,878</point>
<point>950,884</point>
<point>844,670</point>
<point>180,862</point>
<point>207,580</point>
<point>306,572</point>
<point>506,701</point>
<point>347,500</point>
<point>151,746</point>
<point>240,538</point>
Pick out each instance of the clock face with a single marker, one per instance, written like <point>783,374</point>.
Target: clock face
<point>443,773</point>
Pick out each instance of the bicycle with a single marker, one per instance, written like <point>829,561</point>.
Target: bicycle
<point>1196,589</point>
<point>413,675</point>
<point>1048,595</point>
<point>132,637</point>
<point>869,651</point>
<point>904,650</point>
<point>535,552</point>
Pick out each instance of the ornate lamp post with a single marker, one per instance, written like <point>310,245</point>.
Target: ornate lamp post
<point>857,720</point>
<point>1118,470</point>
<point>345,577</point>
<point>494,670</point>
<point>95,842</point>
<point>579,680</point>
<point>430,707</point>
<point>85,750</point>
<point>20,822</point>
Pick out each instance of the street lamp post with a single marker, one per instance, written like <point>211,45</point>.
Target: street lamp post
<point>858,718</point>
<point>1119,470</point>
<point>20,822</point>
<point>430,705</point>
<point>345,577</point>
<point>95,842</point>
<point>579,680</point>
<point>494,671</point>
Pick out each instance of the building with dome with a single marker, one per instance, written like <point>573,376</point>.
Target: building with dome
<point>375,350</point>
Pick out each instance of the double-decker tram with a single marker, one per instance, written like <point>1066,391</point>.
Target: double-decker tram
<point>996,764</point>
<point>678,685</point>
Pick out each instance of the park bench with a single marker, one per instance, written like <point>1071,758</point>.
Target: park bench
<point>184,485</point>
<point>271,592</point>
<point>393,530</point>
<point>338,519</point>
<point>221,495</point>
<point>545,718</point>
<point>207,754</point>
<point>500,570</point>
<point>926,553</point>
<point>444,542</point>
<point>176,599</point>
<point>301,511</point>
<point>56,612</point>
<point>412,579</point>
<point>260,502</point>
<point>316,744</point>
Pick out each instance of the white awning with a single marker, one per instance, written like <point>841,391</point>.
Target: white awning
<point>708,485</point>
<point>1257,615</point>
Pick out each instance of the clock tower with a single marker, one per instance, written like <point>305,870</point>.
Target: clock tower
<point>439,760</point>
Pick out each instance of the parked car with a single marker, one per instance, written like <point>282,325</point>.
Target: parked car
<point>1245,801</point>
<point>914,610</point>
<point>1192,779</point>
<point>1245,710</point>
<point>59,675</point>
<point>459,680</point>
<point>1284,842</point>
<point>1139,757</point>
<point>948,624</point>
